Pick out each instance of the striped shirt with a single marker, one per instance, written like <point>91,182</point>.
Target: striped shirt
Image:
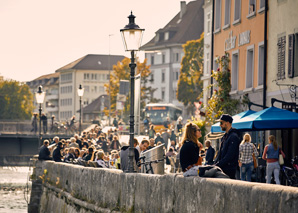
<point>245,152</point>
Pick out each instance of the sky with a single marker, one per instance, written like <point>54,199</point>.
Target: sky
<point>38,37</point>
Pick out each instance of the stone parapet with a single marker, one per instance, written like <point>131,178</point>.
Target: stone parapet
<point>107,190</point>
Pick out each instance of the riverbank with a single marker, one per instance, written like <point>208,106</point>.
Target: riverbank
<point>15,189</point>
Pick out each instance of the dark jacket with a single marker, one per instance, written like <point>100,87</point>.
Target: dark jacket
<point>210,155</point>
<point>124,153</point>
<point>44,153</point>
<point>69,158</point>
<point>189,154</point>
<point>227,158</point>
<point>159,138</point>
<point>57,155</point>
<point>113,143</point>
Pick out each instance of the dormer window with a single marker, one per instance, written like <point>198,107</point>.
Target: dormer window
<point>167,35</point>
<point>156,37</point>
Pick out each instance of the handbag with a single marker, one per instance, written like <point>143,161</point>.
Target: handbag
<point>255,160</point>
<point>281,159</point>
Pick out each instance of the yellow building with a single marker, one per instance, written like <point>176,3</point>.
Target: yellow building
<point>239,31</point>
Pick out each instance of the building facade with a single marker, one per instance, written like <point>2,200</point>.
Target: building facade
<point>206,78</point>
<point>164,52</point>
<point>282,77</point>
<point>92,72</point>
<point>50,84</point>
<point>239,31</point>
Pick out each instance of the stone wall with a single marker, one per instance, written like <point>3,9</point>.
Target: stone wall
<point>73,188</point>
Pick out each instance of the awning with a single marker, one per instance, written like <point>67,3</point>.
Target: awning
<point>216,128</point>
<point>271,118</point>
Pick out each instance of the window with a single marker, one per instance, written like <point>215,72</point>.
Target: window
<point>281,45</point>
<point>261,64</point>
<point>207,64</point>
<point>166,36</point>
<point>66,77</point>
<point>293,56</point>
<point>249,67</point>
<point>86,76</point>
<point>86,88</point>
<point>152,77</point>
<point>218,15</point>
<point>252,6</point>
<point>163,58</point>
<point>108,77</point>
<point>177,75</point>
<point>237,11</point>
<point>208,23</point>
<point>177,57</point>
<point>163,93</point>
<point>235,62</point>
<point>152,59</point>
<point>262,4</point>
<point>227,13</point>
<point>163,76</point>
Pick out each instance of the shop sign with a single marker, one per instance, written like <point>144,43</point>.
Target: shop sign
<point>230,43</point>
<point>244,38</point>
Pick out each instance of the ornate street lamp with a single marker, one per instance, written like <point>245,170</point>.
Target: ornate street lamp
<point>39,95</point>
<point>80,94</point>
<point>132,38</point>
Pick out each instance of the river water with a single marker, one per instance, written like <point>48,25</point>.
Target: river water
<point>15,189</point>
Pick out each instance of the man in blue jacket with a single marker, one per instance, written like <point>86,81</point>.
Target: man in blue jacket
<point>227,158</point>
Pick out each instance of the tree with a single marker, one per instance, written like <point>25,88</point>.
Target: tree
<point>221,101</point>
<point>16,100</point>
<point>121,71</point>
<point>189,83</point>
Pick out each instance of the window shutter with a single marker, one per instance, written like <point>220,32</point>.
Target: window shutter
<point>291,56</point>
<point>281,58</point>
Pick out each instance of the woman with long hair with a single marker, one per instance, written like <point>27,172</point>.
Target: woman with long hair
<point>271,155</point>
<point>246,150</point>
<point>190,150</point>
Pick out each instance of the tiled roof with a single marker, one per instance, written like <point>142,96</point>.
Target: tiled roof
<point>95,106</point>
<point>190,27</point>
<point>48,76</point>
<point>93,62</point>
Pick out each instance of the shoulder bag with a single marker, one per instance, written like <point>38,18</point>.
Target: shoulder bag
<point>280,158</point>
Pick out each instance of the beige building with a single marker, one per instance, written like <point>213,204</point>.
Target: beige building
<point>282,50</point>
<point>50,85</point>
<point>207,49</point>
<point>92,72</point>
<point>282,72</point>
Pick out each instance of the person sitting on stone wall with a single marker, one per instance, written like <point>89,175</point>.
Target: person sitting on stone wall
<point>44,152</point>
<point>89,156</point>
<point>73,143</point>
<point>57,155</point>
<point>69,158</point>
<point>100,159</point>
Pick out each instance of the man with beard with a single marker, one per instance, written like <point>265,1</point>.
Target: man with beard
<point>227,158</point>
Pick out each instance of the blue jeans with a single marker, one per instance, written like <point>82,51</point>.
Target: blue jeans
<point>246,170</point>
<point>275,168</point>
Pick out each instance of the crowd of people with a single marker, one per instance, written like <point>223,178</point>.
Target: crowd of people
<point>99,149</point>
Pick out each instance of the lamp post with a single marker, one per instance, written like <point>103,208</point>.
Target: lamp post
<point>80,94</point>
<point>132,37</point>
<point>39,95</point>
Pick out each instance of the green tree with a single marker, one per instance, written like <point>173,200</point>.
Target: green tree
<point>121,71</point>
<point>16,100</point>
<point>221,101</point>
<point>189,84</point>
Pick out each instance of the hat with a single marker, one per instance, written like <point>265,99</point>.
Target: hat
<point>226,117</point>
